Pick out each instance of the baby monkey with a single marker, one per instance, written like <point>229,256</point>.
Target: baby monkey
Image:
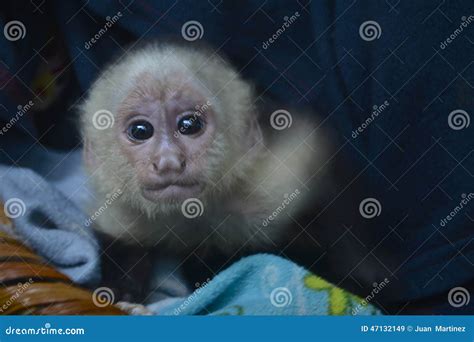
<point>176,131</point>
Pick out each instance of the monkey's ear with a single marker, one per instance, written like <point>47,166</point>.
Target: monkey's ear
<point>89,156</point>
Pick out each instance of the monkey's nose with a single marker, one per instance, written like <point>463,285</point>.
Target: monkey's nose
<point>169,163</point>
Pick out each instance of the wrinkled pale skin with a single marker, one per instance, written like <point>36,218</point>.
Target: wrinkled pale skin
<point>240,178</point>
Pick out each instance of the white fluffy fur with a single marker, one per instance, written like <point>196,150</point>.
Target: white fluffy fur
<point>245,183</point>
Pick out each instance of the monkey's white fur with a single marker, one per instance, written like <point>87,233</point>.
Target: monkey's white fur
<point>246,179</point>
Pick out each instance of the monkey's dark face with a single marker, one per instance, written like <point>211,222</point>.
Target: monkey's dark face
<point>166,137</point>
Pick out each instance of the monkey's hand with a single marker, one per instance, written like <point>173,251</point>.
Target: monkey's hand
<point>134,309</point>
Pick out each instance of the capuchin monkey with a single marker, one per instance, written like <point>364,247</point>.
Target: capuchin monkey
<point>199,168</point>
<point>180,139</point>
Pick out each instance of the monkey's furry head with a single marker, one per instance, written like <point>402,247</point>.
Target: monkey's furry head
<point>165,123</point>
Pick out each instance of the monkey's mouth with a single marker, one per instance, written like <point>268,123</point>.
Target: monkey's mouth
<point>171,191</point>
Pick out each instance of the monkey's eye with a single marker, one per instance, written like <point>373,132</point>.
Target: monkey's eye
<point>190,124</point>
<point>140,130</point>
